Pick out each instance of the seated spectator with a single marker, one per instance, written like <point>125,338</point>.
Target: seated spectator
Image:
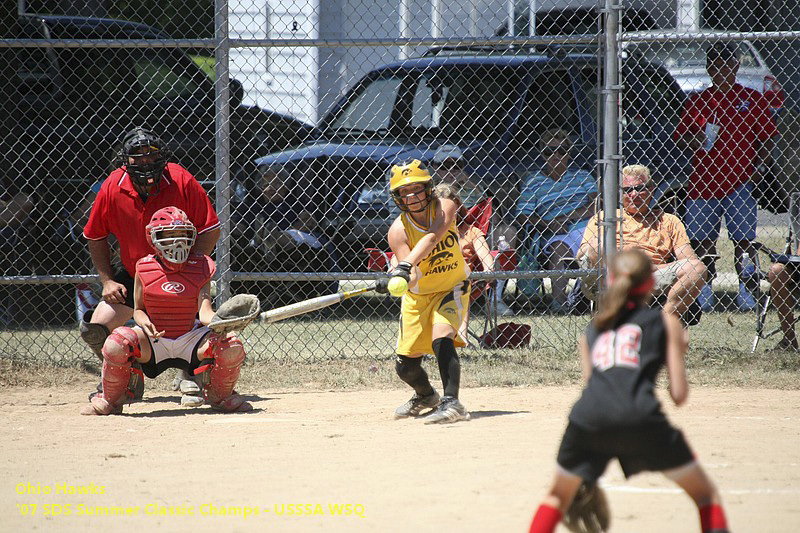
<point>677,270</point>
<point>15,211</point>
<point>474,247</point>
<point>784,279</point>
<point>277,231</point>
<point>449,167</point>
<point>554,207</point>
<point>15,208</point>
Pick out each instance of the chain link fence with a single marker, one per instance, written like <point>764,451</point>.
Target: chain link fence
<point>290,114</point>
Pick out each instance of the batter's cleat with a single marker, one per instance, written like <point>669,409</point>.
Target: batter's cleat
<point>99,406</point>
<point>416,405</point>
<point>190,400</point>
<point>232,404</point>
<point>450,410</point>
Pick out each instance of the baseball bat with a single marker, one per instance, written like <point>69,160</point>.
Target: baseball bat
<point>306,306</point>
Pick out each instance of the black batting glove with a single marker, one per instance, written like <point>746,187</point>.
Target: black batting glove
<point>403,270</point>
<point>382,286</point>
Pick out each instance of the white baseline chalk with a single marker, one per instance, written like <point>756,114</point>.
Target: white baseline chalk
<point>665,490</point>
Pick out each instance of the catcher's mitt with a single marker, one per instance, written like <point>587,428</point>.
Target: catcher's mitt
<point>589,511</point>
<point>235,314</point>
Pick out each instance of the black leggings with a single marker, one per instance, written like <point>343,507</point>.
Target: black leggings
<point>410,370</point>
<point>449,365</point>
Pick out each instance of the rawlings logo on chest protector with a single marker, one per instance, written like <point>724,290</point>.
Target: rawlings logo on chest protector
<point>172,287</point>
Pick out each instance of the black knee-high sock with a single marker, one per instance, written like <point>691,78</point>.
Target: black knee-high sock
<point>410,370</point>
<point>449,365</point>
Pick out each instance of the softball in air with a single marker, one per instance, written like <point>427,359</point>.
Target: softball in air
<point>397,286</point>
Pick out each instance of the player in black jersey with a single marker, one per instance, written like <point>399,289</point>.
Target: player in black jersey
<point>618,415</point>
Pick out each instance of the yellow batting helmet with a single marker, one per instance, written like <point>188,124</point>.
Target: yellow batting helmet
<point>407,174</point>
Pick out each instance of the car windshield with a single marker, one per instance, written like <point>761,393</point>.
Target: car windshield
<point>686,54</point>
<point>454,102</point>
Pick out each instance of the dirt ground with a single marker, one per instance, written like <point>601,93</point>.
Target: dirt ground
<point>337,461</point>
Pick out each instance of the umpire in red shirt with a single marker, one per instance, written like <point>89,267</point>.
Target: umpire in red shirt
<point>144,183</point>
<point>729,128</point>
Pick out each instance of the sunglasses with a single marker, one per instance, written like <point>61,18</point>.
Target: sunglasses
<point>549,151</point>
<point>635,188</point>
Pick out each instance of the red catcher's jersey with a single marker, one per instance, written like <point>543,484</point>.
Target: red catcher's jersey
<point>171,298</point>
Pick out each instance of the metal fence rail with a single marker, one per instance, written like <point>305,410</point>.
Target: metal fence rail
<point>447,84</point>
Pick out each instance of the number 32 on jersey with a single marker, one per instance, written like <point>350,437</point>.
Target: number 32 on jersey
<point>618,347</point>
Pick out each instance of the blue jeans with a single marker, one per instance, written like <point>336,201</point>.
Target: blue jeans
<point>703,217</point>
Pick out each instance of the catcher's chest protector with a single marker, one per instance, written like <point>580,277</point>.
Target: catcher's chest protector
<point>170,298</point>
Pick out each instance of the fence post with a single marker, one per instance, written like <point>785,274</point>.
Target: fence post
<point>222,146</point>
<point>611,155</point>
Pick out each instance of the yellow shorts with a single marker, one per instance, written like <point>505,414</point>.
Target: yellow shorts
<point>419,312</point>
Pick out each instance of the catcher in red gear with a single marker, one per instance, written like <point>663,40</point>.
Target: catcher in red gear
<point>171,288</point>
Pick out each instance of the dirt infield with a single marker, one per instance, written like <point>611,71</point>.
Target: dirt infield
<point>337,461</point>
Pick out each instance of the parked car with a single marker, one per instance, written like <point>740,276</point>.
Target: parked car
<point>75,104</point>
<point>493,104</point>
<point>686,61</point>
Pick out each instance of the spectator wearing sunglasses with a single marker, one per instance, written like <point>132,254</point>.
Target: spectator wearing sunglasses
<point>677,270</point>
<point>554,207</point>
<point>729,130</point>
<point>449,167</point>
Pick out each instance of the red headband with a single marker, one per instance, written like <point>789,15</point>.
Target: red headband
<point>643,288</point>
<point>640,289</point>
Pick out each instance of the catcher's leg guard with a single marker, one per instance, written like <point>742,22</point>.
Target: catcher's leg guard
<point>219,376</point>
<point>94,335</point>
<point>119,352</point>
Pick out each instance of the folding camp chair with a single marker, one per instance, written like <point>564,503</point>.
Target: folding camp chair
<point>763,301</point>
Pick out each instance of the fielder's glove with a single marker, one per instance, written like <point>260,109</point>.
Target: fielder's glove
<point>588,512</point>
<point>235,314</point>
<point>403,270</point>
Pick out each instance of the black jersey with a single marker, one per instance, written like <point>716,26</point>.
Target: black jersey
<point>625,361</point>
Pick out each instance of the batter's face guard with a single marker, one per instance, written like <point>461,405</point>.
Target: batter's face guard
<point>171,234</point>
<point>144,156</point>
<point>411,186</point>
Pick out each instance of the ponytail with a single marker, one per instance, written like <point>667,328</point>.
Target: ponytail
<point>612,302</point>
<point>630,283</point>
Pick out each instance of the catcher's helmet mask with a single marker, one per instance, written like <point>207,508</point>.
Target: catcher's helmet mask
<point>144,156</point>
<point>408,174</point>
<point>172,250</point>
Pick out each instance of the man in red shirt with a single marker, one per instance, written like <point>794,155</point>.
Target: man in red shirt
<point>144,183</point>
<point>729,129</point>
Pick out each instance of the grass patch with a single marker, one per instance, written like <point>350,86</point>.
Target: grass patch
<point>351,347</point>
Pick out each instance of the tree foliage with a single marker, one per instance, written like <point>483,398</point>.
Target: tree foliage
<point>181,19</point>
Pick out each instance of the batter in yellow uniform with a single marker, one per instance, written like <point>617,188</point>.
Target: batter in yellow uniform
<point>425,236</point>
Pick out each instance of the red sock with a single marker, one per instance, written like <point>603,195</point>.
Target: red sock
<point>712,519</point>
<point>545,520</point>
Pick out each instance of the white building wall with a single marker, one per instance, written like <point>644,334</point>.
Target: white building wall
<point>278,79</point>
<point>306,82</point>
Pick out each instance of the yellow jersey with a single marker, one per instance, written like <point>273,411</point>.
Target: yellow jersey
<point>444,267</point>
